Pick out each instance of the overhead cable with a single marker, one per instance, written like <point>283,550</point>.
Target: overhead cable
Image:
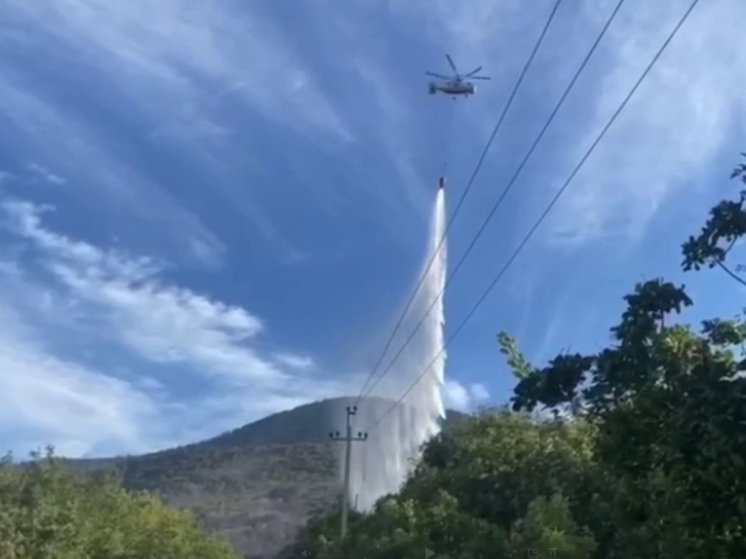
<point>460,202</point>
<point>505,191</point>
<point>549,207</point>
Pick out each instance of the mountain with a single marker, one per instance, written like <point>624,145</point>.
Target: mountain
<point>258,484</point>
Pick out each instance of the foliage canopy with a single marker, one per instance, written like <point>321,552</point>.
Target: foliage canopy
<point>46,512</point>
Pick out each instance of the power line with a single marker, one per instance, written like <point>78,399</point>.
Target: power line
<point>731,273</point>
<point>505,191</point>
<point>547,210</point>
<point>725,268</point>
<point>460,202</point>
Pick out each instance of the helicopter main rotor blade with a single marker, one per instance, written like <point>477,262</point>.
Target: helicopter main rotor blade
<point>480,78</point>
<point>453,66</point>
<point>473,72</point>
<point>438,76</point>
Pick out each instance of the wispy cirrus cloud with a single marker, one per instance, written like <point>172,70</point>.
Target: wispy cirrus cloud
<point>149,363</point>
<point>160,322</point>
<point>184,55</point>
<point>41,172</point>
<point>188,365</point>
<point>186,82</point>
<point>66,404</point>
<point>77,147</point>
<point>299,362</point>
<point>678,122</point>
<point>675,126</point>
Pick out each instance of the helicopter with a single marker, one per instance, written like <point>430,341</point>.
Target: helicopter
<point>455,85</point>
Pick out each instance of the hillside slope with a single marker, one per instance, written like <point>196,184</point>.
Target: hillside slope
<point>255,485</point>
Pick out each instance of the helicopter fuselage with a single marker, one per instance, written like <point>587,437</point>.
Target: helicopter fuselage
<point>455,84</point>
<point>453,88</point>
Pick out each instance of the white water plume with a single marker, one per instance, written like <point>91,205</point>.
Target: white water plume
<point>382,463</point>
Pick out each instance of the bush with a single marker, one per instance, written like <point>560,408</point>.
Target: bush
<point>47,511</point>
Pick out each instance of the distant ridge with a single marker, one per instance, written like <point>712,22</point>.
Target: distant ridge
<point>255,485</point>
<point>306,423</point>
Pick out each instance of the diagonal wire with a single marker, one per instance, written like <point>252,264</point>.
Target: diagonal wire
<point>546,211</point>
<point>504,193</point>
<point>730,273</point>
<point>725,268</point>
<point>461,200</point>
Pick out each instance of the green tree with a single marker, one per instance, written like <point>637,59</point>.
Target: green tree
<point>46,512</point>
<point>725,225</point>
<point>480,490</point>
<point>669,405</point>
<point>549,526</point>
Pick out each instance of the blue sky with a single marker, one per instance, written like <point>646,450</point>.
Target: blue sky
<point>214,211</point>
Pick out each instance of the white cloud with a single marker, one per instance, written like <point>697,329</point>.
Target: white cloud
<point>469,27</point>
<point>78,149</point>
<point>182,55</point>
<point>50,400</point>
<point>181,339</point>
<point>45,174</point>
<point>163,323</point>
<point>295,361</point>
<point>679,121</point>
<point>464,398</point>
<point>479,392</point>
<point>191,73</point>
<point>676,124</point>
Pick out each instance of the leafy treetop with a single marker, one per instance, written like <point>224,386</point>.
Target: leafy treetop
<point>48,512</point>
<point>669,405</point>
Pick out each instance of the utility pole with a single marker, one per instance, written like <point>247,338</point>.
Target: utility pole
<point>347,439</point>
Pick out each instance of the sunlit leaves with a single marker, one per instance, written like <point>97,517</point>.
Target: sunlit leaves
<point>490,484</point>
<point>670,408</point>
<point>47,512</point>
<point>516,361</point>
